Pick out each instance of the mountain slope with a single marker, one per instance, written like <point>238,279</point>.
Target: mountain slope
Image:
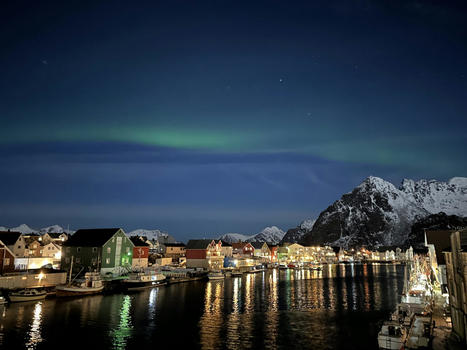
<point>272,234</point>
<point>294,235</point>
<point>377,213</point>
<point>152,235</point>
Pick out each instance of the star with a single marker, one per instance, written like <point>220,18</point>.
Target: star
<point>281,80</point>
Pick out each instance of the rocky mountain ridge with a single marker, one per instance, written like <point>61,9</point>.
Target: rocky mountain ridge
<point>377,213</point>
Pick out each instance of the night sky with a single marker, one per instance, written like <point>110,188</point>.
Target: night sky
<point>201,118</point>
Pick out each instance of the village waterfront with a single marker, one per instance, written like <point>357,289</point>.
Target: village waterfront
<point>341,306</point>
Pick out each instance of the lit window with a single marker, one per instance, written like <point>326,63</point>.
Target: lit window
<point>127,249</point>
<point>6,261</point>
<point>107,261</point>
<point>109,250</point>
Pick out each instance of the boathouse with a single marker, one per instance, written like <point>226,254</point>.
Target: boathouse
<point>107,250</point>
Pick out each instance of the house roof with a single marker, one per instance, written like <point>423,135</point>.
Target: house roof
<point>55,235</point>
<point>9,237</point>
<point>95,237</point>
<point>138,242</point>
<point>441,240</point>
<point>179,244</point>
<point>198,243</point>
<point>226,244</point>
<point>240,245</point>
<point>31,240</point>
<point>257,245</point>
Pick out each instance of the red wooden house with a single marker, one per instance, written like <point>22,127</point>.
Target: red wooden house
<point>243,248</point>
<point>7,259</point>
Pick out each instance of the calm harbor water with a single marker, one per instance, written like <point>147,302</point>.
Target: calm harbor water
<point>340,307</point>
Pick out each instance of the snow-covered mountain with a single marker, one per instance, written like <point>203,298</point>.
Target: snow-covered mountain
<point>153,235</point>
<point>377,213</point>
<point>272,234</point>
<point>25,229</point>
<point>55,229</point>
<point>294,235</point>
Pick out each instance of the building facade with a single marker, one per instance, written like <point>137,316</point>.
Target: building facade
<point>456,266</point>
<point>204,253</point>
<point>103,250</point>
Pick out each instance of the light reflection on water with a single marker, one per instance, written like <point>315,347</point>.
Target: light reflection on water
<point>121,334</point>
<point>35,336</point>
<point>336,308</point>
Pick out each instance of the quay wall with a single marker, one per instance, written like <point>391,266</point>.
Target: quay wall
<point>32,280</point>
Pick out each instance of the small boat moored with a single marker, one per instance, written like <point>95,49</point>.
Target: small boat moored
<point>142,280</point>
<point>392,336</point>
<point>92,284</point>
<point>27,295</point>
<point>216,275</point>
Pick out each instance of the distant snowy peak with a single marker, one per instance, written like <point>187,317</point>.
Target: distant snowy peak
<point>152,235</point>
<point>55,229</point>
<point>272,234</point>
<point>234,237</point>
<point>24,229</point>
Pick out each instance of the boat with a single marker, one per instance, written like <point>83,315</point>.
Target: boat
<point>92,284</point>
<point>27,295</point>
<point>291,266</point>
<point>142,280</point>
<point>391,336</point>
<point>216,275</point>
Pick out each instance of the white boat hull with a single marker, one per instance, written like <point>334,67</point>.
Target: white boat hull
<point>70,291</point>
<point>20,298</point>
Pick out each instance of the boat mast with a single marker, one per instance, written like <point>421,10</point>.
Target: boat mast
<point>71,269</point>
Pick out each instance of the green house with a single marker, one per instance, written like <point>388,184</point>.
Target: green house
<point>105,250</point>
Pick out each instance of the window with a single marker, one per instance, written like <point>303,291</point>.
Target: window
<point>109,250</point>
<point>67,249</point>
<point>19,247</point>
<point>94,249</point>
<point>107,261</point>
<point>127,249</point>
<point>6,261</point>
<point>67,260</point>
<point>78,249</point>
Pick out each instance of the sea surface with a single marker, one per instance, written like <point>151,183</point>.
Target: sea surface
<point>341,307</point>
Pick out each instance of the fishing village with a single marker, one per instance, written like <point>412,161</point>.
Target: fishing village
<point>95,261</point>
